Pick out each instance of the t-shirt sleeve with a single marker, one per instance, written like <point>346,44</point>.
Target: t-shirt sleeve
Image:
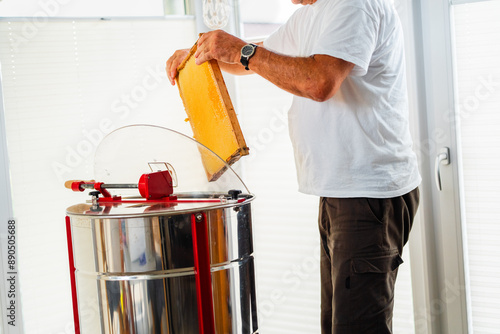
<point>284,40</point>
<point>351,35</point>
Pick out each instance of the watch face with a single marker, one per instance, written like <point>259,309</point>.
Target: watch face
<point>247,50</point>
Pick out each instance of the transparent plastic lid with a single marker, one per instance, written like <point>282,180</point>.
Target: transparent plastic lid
<point>129,152</point>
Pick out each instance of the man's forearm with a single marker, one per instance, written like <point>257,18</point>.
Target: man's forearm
<point>317,77</point>
<point>236,69</point>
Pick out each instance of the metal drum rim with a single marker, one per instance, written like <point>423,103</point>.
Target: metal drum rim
<point>248,198</point>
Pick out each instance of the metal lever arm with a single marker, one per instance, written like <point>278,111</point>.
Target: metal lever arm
<point>443,158</point>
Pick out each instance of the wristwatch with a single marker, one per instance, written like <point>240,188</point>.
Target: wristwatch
<point>246,53</point>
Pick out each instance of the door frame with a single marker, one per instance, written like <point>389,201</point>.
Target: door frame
<point>447,307</point>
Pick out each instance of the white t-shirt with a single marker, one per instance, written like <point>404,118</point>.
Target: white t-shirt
<point>358,143</point>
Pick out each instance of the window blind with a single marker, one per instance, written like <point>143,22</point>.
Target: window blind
<point>65,87</point>
<point>477,32</point>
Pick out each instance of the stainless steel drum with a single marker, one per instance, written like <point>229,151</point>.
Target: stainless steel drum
<point>137,263</point>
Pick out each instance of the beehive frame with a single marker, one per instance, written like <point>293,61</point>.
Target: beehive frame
<point>210,113</point>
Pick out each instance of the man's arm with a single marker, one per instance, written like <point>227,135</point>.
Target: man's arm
<point>317,77</point>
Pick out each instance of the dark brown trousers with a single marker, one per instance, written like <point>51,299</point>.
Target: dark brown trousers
<point>362,242</point>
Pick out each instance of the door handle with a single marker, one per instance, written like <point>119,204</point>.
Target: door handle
<point>443,158</point>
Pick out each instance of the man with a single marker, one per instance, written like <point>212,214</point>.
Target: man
<point>344,62</point>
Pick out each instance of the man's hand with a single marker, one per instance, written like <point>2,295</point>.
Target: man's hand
<point>174,62</point>
<point>220,46</point>
<point>217,45</point>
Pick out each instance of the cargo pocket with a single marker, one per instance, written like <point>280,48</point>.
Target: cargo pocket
<point>371,286</point>
<point>379,264</point>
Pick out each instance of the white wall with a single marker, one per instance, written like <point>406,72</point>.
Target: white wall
<point>265,11</point>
